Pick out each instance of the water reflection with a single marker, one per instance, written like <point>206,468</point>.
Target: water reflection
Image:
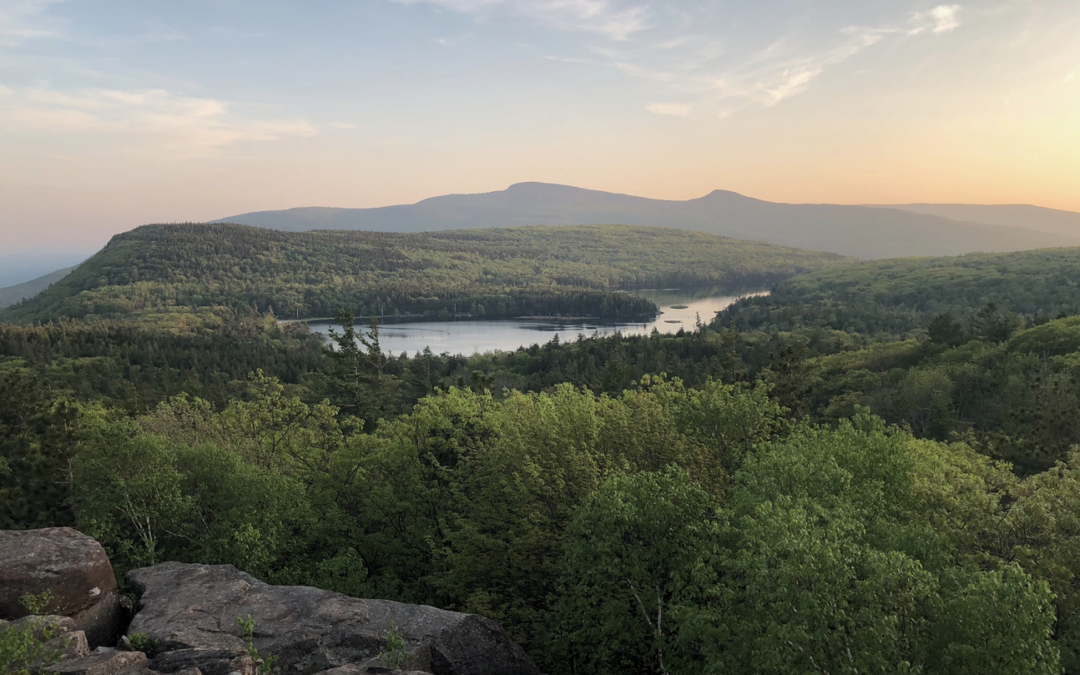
<point>678,309</point>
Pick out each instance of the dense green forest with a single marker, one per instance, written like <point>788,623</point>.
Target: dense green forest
<point>161,270</point>
<point>895,297</point>
<point>872,469</point>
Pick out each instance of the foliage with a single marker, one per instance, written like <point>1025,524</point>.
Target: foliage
<point>812,483</point>
<point>135,367</point>
<point>632,555</point>
<point>23,647</point>
<point>397,655</point>
<point>986,291</point>
<point>263,665</point>
<point>141,642</point>
<point>573,271</point>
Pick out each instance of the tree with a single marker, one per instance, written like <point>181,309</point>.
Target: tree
<point>945,330</point>
<point>128,493</point>
<point>831,563</point>
<point>361,380</point>
<point>994,326</point>
<point>631,558</point>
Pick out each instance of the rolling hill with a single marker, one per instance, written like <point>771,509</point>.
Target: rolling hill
<point>1038,218</point>
<point>13,294</point>
<point>896,297</point>
<point>864,232</point>
<point>577,270</point>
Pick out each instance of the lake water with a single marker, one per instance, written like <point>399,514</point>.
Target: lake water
<point>471,337</point>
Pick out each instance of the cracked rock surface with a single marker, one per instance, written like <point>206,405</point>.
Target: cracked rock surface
<point>189,614</point>
<point>192,611</point>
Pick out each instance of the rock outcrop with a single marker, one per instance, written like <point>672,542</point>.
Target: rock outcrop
<point>73,570</point>
<point>191,612</point>
<point>187,621</point>
<point>68,565</point>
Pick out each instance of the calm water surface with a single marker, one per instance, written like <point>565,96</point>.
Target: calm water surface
<point>471,337</point>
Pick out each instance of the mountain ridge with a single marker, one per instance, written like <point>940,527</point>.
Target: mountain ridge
<point>497,273</point>
<point>867,232</point>
<point>28,289</point>
<point>1039,218</point>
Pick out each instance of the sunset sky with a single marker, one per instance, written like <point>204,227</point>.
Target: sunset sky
<point>114,114</point>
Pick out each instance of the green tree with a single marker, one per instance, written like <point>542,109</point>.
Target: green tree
<point>365,388</point>
<point>128,493</point>
<point>945,330</point>
<point>632,556</point>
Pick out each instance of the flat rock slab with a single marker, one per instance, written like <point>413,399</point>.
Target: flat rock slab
<point>107,663</point>
<point>69,565</point>
<point>191,611</point>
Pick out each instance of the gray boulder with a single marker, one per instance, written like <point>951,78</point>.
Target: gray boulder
<point>70,566</point>
<point>192,611</point>
<point>76,573</point>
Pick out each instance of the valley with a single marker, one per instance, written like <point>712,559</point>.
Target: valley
<point>522,337</point>
<point>171,399</point>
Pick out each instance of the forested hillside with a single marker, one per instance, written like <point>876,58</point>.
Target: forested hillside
<point>13,294</point>
<point>572,271</point>
<point>872,470</point>
<point>895,297</point>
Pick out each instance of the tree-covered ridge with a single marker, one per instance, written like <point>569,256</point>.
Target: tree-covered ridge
<point>895,297</point>
<point>496,273</point>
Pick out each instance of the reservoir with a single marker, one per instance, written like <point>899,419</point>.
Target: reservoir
<point>678,309</point>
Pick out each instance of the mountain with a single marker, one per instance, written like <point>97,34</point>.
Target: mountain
<point>18,268</point>
<point>1038,218</point>
<point>864,232</point>
<point>159,270</point>
<point>13,294</point>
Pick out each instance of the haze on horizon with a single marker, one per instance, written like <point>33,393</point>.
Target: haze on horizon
<point>114,114</point>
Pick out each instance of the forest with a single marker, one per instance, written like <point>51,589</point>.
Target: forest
<point>871,469</point>
<point>155,272</point>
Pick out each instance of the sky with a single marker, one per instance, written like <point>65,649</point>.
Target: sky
<point>119,113</point>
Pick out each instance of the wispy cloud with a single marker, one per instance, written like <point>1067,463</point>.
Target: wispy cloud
<point>676,109</point>
<point>673,47</point>
<point>22,20</point>
<point>179,127</point>
<point>941,19</point>
<point>727,81</point>
<point>611,18</point>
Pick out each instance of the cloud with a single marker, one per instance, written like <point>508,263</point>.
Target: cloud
<point>22,20</point>
<point>728,80</point>
<point>672,46</point>
<point>677,109</point>
<point>179,127</point>
<point>611,18</point>
<point>941,19</point>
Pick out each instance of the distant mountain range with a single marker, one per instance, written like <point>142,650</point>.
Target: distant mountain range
<point>862,231</point>
<point>13,294</point>
<point>1051,221</point>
